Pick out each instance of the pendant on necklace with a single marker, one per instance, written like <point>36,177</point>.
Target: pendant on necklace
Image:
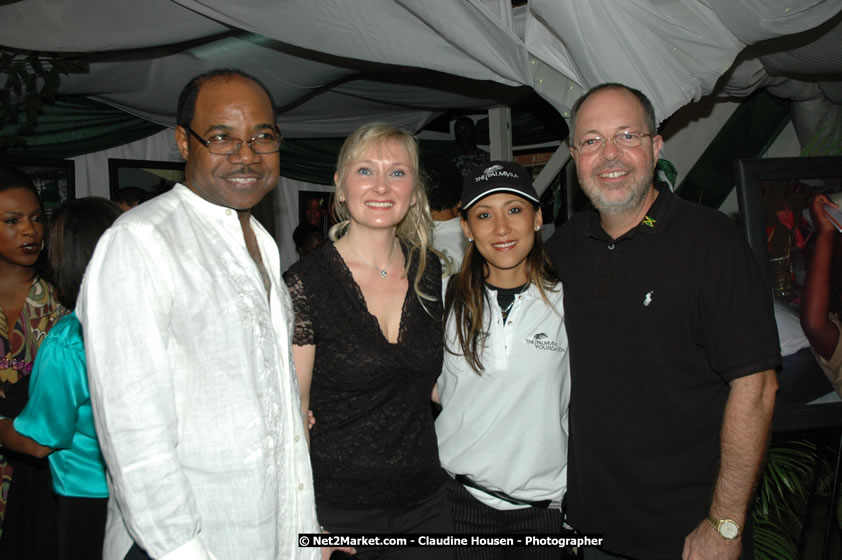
<point>383,273</point>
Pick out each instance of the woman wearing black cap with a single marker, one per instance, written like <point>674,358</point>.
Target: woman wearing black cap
<point>505,384</point>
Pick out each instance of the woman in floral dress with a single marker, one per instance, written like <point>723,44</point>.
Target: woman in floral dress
<point>28,309</point>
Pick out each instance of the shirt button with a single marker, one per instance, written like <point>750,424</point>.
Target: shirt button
<point>301,486</point>
<point>227,211</point>
<point>297,439</point>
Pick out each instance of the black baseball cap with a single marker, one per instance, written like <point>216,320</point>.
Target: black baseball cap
<point>495,177</point>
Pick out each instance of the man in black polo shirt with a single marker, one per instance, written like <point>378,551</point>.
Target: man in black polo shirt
<point>673,348</point>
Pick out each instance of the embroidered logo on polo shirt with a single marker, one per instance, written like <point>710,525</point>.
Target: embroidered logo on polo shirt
<point>543,342</point>
<point>647,221</point>
<point>648,298</point>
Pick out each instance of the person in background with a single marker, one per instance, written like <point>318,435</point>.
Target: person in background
<point>467,155</point>
<point>820,304</point>
<point>673,350</point>
<point>505,384</point>
<point>129,197</point>
<point>444,189</point>
<point>307,238</point>
<point>368,349</point>
<point>187,335</point>
<point>29,308</point>
<point>57,422</point>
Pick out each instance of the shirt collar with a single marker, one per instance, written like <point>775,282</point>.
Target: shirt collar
<point>656,220</point>
<point>531,291</point>
<point>203,206</point>
<point>660,214</point>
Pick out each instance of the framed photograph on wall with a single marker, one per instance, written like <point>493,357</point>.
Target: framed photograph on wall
<point>773,195</point>
<point>55,179</point>
<point>153,177</point>
<point>314,208</point>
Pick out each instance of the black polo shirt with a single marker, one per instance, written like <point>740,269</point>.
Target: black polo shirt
<point>659,321</point>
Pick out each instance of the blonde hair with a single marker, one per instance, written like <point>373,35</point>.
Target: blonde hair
<point>415,229</point>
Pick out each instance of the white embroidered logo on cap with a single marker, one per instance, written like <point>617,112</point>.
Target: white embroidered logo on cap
<point>648,299</point>
<point>494,171</point>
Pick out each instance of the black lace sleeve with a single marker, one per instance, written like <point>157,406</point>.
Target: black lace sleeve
<point>303,333</point>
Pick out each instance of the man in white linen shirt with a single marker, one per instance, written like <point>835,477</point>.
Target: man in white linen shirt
<point>187,333</point>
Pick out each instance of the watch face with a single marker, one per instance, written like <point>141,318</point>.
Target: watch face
<point>729,529</point>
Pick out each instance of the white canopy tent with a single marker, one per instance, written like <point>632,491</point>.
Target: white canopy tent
<point>675,51</point>
<point>335,64</point>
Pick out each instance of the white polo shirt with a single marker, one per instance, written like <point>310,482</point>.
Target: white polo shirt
<point>507,428</point>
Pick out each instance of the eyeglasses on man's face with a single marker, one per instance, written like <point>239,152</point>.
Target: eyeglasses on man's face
<point>222,145</point>
<point>591,144</point>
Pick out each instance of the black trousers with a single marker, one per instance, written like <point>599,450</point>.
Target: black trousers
<point>81,527</point>
<point>429,516</point>
<point>474,517</point>
<point>31,523</point>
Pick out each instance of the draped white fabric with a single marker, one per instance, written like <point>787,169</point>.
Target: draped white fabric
<point>332,65</point>
<point>311,53</point>
<point>97,25</point>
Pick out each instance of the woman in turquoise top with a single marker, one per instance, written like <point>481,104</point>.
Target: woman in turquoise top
<point>57,422</point>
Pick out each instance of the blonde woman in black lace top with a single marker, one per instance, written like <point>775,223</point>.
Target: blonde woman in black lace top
<point>368,349</point>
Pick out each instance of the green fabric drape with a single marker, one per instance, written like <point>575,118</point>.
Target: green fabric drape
<point>747,134</point>
<point>72,127</point>
<point>311,160</point>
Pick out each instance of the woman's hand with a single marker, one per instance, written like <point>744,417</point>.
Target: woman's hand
<point>821,222</point>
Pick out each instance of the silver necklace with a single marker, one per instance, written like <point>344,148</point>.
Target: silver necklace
<point>383,270</point>
<point>505,312</point>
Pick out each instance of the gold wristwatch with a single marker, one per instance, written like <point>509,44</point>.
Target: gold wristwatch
<point>728,529</point>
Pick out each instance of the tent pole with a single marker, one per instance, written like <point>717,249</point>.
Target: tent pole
<point>551,169</point>
<point>500,133</point>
